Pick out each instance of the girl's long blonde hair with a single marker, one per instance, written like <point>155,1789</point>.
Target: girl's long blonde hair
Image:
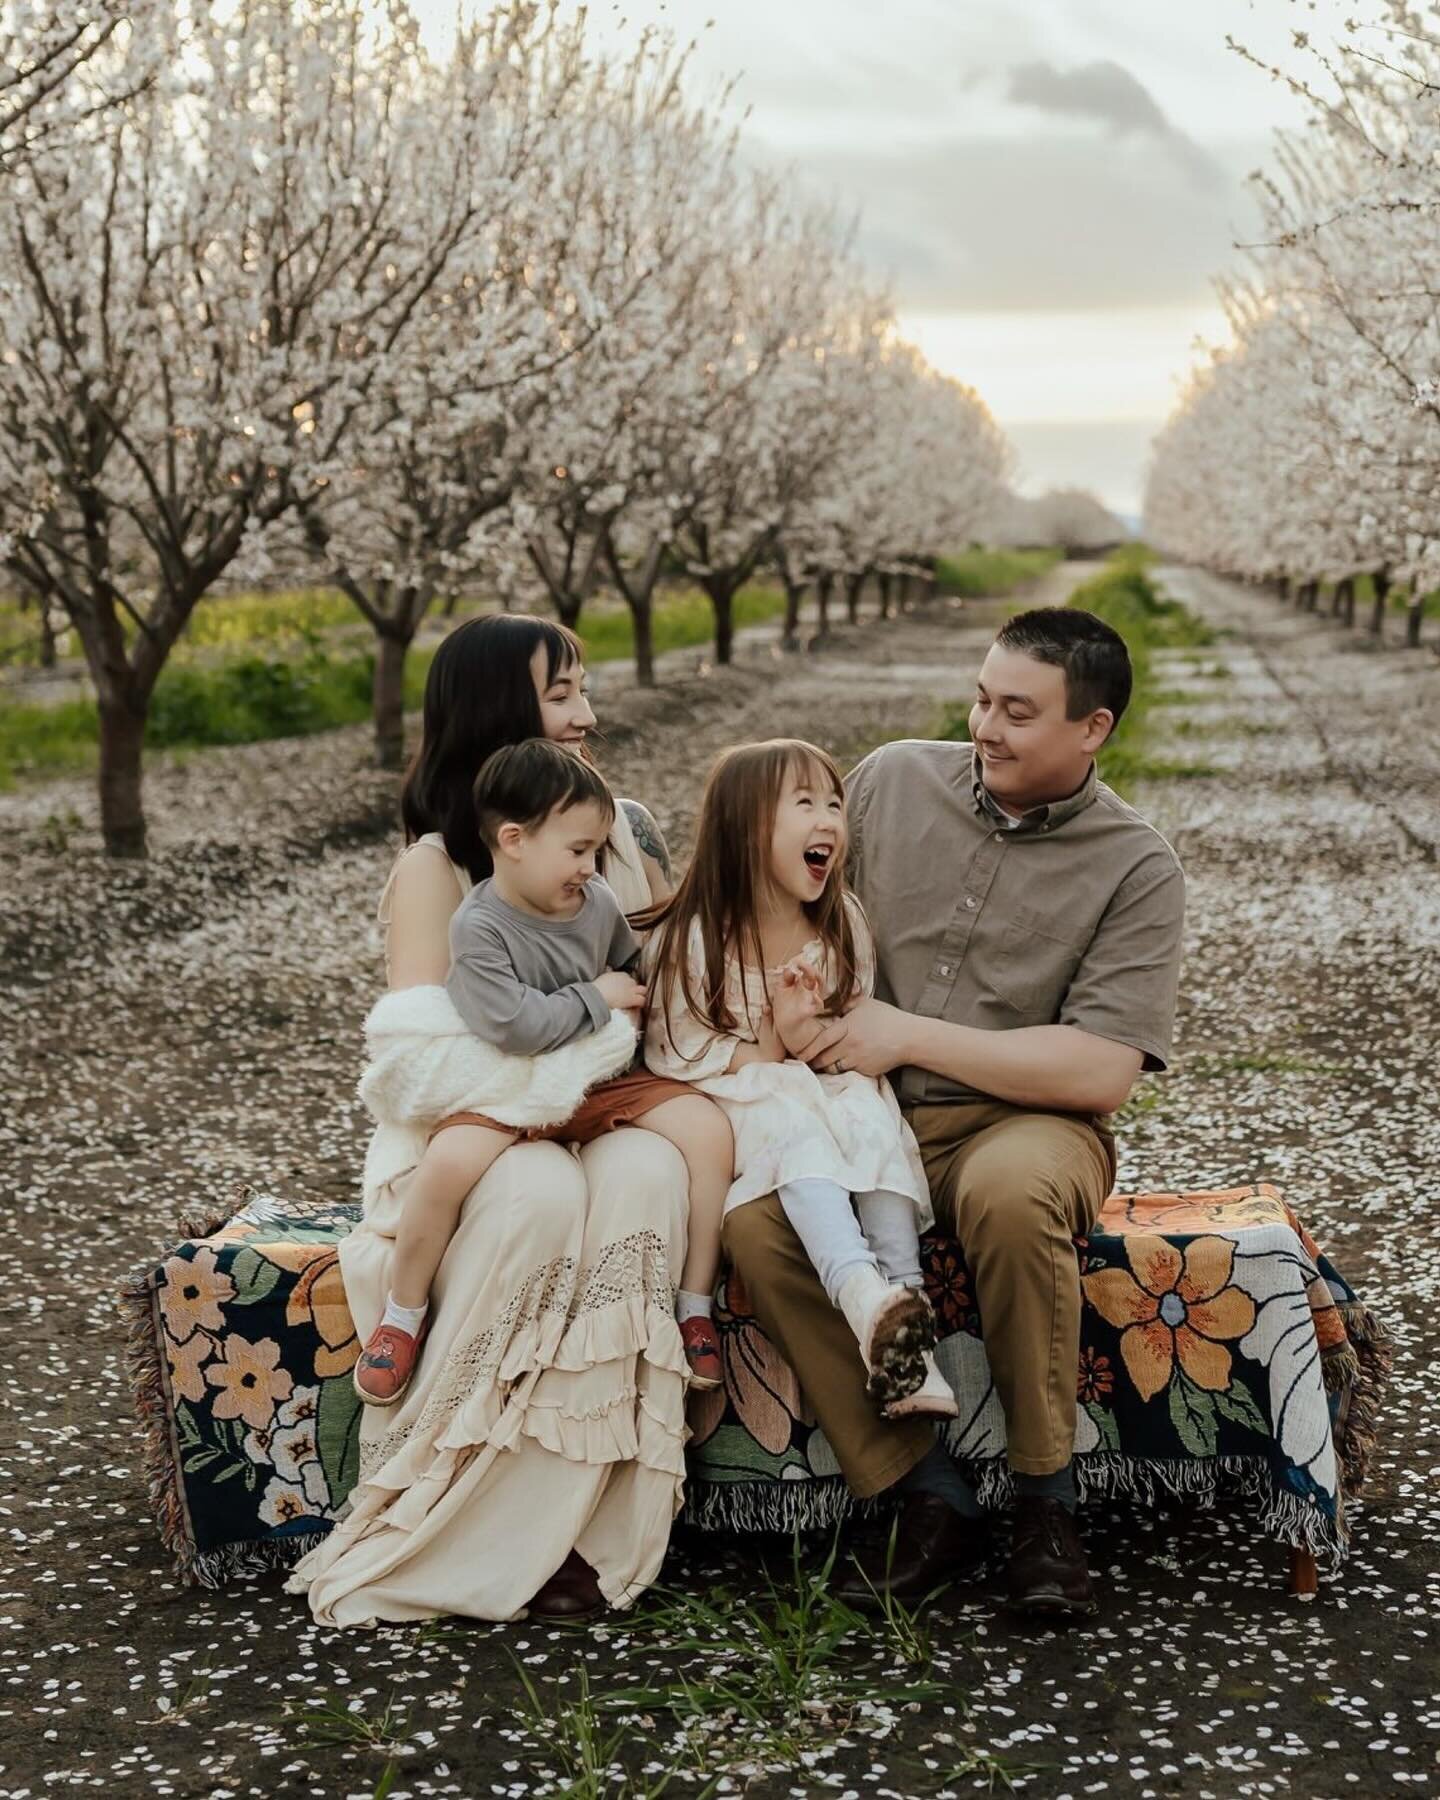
<point>728,878</point>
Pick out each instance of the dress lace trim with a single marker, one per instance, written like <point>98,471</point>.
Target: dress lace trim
<point>555,1297</point>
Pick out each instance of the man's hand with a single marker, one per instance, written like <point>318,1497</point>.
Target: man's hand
<point>870,1039</point>
<point>796,1004</point>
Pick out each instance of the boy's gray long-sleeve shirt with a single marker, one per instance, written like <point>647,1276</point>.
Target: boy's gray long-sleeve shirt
<point>527,984</point>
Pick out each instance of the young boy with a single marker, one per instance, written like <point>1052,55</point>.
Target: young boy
<point>541,954</point>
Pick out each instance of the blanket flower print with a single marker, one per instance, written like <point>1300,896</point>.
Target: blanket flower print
<point>1174,1308</point>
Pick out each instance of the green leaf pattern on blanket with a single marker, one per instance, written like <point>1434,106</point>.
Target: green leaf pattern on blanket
<point>1104,1422</point>
<point>1192,1413</point>
<point>254,1277</point>
<point>1238,1405</point>
<point>337,1435</point>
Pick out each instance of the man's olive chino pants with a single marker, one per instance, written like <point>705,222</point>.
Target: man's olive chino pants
<point>1016,1187</point>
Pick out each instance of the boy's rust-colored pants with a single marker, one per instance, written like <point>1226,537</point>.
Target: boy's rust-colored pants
<point>1016,1187</point>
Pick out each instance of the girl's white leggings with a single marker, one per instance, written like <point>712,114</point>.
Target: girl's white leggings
<point>884,1235</point>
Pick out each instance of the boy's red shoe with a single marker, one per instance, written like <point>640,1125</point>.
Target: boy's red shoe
<point>702,1352</point>
<point>386,1364</point>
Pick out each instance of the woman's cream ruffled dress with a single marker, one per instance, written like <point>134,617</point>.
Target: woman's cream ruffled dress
<point>548,1408</point>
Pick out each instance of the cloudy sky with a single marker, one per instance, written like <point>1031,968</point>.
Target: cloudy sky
<point>1047,185</point>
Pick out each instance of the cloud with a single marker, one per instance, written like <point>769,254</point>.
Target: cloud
<point>1048,221</point>
<point>1111,94</point>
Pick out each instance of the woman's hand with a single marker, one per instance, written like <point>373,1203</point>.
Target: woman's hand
<point>796,1003</point>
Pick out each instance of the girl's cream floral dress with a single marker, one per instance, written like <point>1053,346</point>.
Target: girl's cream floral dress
<point>788,1120</point>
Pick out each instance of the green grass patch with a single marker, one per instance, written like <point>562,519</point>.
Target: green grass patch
<point>682,622</point>
<point>1124,595</point>
<point>979,574</point>
<point>248,622</point>
<point>1260,1062</point>
<point>746,1684</point>
<point>236,695</point>
<point>1223,728</point>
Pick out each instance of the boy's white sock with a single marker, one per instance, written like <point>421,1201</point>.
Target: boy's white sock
<point>693,1306</point>
<point>407,1318</point>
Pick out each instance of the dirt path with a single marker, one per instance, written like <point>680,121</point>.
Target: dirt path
<point>194,1021</point>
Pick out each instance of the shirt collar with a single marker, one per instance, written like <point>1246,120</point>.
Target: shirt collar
<point>1039,818</point>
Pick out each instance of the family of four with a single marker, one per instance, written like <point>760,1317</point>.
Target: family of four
<point>874,1002</point>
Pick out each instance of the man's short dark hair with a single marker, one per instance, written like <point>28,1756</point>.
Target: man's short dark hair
<point>1091,653</point>
<point>522,784</point>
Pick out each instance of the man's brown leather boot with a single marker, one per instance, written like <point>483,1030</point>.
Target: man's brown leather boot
<point>1048,1573</point>
<point>932,1545</point>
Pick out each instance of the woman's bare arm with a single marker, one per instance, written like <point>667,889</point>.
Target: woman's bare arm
<point>421,904</point>
<point>654,852</point>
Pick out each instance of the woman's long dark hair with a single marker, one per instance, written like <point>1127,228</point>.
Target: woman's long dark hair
<point>479,696</point>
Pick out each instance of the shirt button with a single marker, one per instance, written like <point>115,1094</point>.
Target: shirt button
<point>999,837</point>
<point>971,902</point>
<point>944,968</point>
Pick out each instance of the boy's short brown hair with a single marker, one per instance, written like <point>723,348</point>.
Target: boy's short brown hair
<point>522,784</point>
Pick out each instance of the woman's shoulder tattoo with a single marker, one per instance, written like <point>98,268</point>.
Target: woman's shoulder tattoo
<point>648,835</point>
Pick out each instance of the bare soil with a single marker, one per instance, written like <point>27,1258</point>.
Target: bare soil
<point>173,1027</point>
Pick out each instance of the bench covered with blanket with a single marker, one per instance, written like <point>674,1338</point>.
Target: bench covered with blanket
<point>1220,1352</point>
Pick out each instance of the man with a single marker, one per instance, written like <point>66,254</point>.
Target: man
<point>1028,927</point>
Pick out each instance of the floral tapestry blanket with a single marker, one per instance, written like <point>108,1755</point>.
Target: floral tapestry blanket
<point>1220,1351</point>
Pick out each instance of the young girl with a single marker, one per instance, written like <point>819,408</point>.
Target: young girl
<point>760,938</point>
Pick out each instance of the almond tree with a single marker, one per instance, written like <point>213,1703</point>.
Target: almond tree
<point>1320,423</point>
<point>398,486</point>
<point>197,292</point>
<point>663,183</point>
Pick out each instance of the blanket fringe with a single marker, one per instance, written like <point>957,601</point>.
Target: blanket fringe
<point>822,1503</point>
<point>217,1568</point>
<point>1357,1428</point>
<point>159,1455</point>
<point>1287,1518</point>
<point>191,1226</point>
<point>817,1504</point>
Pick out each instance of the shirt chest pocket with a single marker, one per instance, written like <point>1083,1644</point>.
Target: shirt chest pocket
<point>1034,961</point>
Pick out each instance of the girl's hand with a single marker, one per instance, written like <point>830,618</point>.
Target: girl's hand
<point>767,1049</point>
<point>797,1002</point>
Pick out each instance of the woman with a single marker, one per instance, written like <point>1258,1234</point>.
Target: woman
<point>537,1458</point>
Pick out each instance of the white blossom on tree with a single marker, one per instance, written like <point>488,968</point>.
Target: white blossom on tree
<point>198,292</point>
<point>1307,450</point>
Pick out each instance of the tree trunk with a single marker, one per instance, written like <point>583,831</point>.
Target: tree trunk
<point>1310,596</point>
<point>1380,581</point>
<point>122,813</point>
<point>388,702</point>
<point>722,602</point>
<point>824,587</point>
<point>1342,601</point>
<point>887,595</point>
<point>794,595</point>
<point>47,637</point>
<point>853,585</point>
<point>1414,614</point>
<point>642,614</point>
<point>568,606</point>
